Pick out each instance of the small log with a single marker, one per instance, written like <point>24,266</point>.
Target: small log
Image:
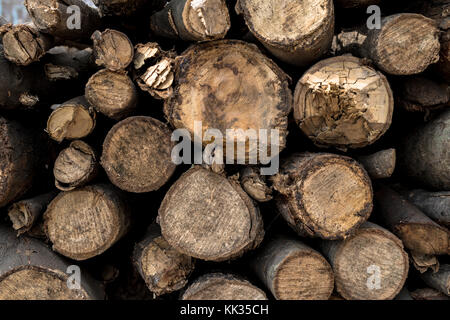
<point>192,20</point>
<point>25,213</point>
<point>423,153</point>
<point>60,18</point>
<point>355,3</point>
<point>379,165</point>
<point>85,222</point>
<point>74,119</point>
<point>428,294</point>
<point>219,286</point>
<point>75,166</point>
<point>68,63</point>
<point>422,94</point>
<point>439,280</point>
<point>370,265</point>
<point>255,184</point>
<point>209,217</point>
<point>19,160</point>
<point>147,144</point>
<point>162,267</point>
<point>112,49</point>
<point>423,262</point>
<point>344,103</point>
<point>405,44</point>
<point>292,270</point>
<point>323,195</point>
<point>24,44</point>
<point>435,205</point>
<point>29,270</point>
<point>112,94</point>
<point>299,32</point>
<point>418,232</point>
<point>229,84</point>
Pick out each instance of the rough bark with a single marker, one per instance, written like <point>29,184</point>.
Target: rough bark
<point>75,166</point>
<point>19,158</point>
<point>24,44</point>
<point>428,294</point>
<point>29,270</point>
<point>74,119</point>
<point>219,286</point>
<point>85,222</point>
<point>25,213</point>
<point>370,253</point>
<point>229,84</point>
<point>54,17</point>
<point>439,280</point>
<point>112,49</point>
<point>418,232</point>
<point>255,184</point>
<point>424,153</point>
<point>112,94</point>
<point>299,32</point>
<point>292,270</point>
<point>323,195</point>
<point>147,144</point>
<point>344,103</point>
<point>379,165</point>
<point>207,216</point>
<point>127,8</point>
<point>162,267</point>
<point>423,262</point>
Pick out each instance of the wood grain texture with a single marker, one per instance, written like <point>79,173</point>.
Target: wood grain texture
<point>112,49</point>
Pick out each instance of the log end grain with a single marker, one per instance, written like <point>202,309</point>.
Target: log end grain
<point>112,49</point>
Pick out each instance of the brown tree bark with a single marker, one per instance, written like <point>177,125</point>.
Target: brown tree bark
<point>370,265</point>
<point>85,222</point>
<point>148,146</point>
<point>209,217</point>
<point>344,103</point>
<point>323,195</point>
<point>298,33</point>
<point>379,165</point>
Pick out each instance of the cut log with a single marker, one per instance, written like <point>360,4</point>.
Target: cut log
<point>418,232</point>
<point>379,165</point>
<point>323,195</point>
<point>299,32</point>
<point>192,20</point>
<point>424,153</point>
<point>219,286</point>
<point>24,44</point>
<point>67,19</point>
<point>75,166</point>
<point>29,270</point>
<point>229,84</point>
<point>405,44</point>
<point>422,94</point>
<point>344,103</point>
<point>19,158</point>
<point>112,94</point>
<point>162,267</point>
<point>112,49</point>
<point>74,119</point>
<point>207,216</point>
<point>435,205</point>
<point>85,222</point>
<point>292,270</point>
<point>439,280</point>
<point>356,3</point>
<point>147,144</point>
<point>25,213</point>
<point>255,184</point>
<point>370,265</point>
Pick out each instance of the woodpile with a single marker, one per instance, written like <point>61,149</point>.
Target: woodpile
<point>225,150</point>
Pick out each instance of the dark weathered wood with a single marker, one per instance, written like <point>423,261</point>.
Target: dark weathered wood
<point>255,184</point>
<point>439,280</point>
<point>379,165</point>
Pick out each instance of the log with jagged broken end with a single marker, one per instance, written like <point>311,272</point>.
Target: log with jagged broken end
<point>24,44</point>
<point>192,20</point>
<point>74,119</point>
<point>255,184</point>
<point>154,69</point>
<point>424,262</point>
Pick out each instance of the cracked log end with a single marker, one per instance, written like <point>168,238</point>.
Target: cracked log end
<point>74,119</point>
<point>202,202</point>
<point>56,73</point>
<point>343,103</point>
<point>112,49</point>
<point>75,166</point>
<point>255,185</point>
<point>219,286</point>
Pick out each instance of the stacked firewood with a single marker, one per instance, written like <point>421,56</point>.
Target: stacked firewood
<point>96,101</point>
